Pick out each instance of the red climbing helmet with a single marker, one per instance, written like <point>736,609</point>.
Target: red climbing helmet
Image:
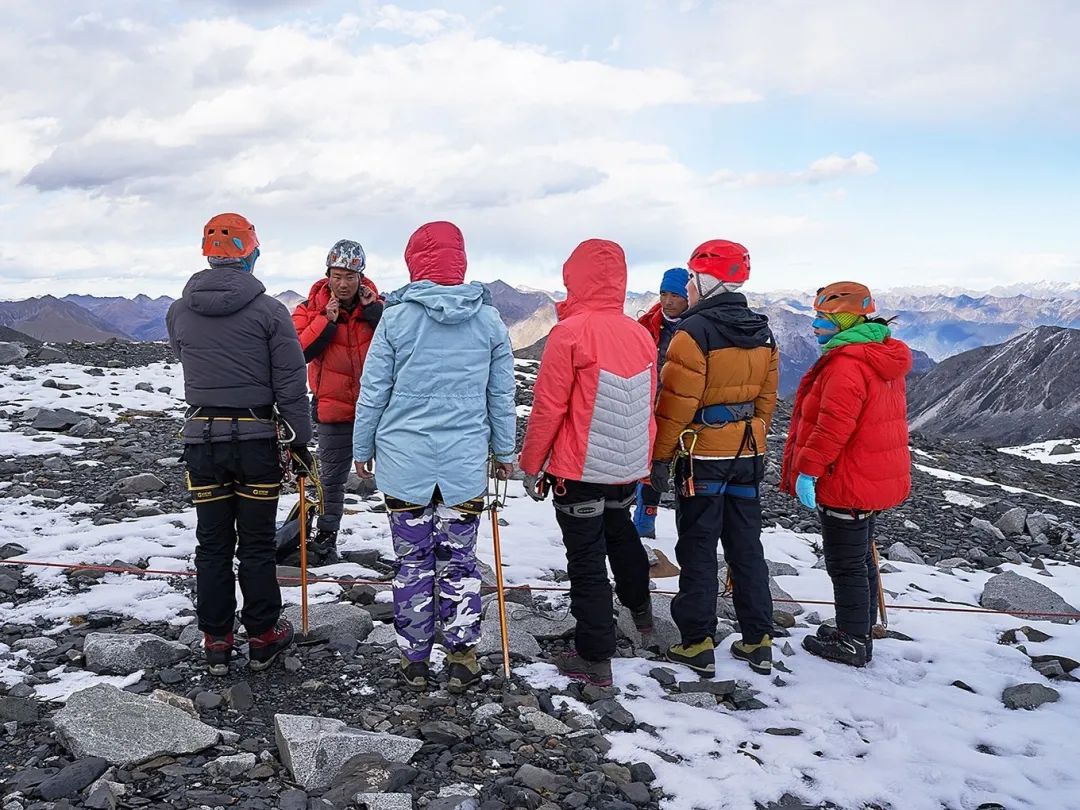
<point>726,261</point>
<point>229,236</point>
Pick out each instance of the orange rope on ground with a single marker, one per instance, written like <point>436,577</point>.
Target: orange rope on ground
<point>116,569</point>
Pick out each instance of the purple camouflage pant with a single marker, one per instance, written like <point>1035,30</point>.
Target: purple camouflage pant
<point>436,581</point>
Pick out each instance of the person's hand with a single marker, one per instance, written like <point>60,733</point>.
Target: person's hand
<point>365,469</point>
<point>367,295</point>
<point>302,462</point>
<point>503,470</point>
<point>660,477</point>
<point>333,308</point>
<point>806,489</point>
<point>531,488</point>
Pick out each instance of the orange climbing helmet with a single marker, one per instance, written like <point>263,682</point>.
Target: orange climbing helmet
<point>844,296</point>
<point>229,236</point>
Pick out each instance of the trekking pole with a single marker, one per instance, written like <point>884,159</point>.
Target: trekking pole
<point>301,484</point>
<point>501,597</point>
<point>880,587</point>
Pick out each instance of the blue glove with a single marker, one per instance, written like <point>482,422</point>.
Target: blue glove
<point>806,489</point>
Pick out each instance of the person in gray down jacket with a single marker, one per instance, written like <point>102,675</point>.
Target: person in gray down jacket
<point>241,359</point>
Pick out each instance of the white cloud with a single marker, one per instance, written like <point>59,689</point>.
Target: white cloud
<point>822,170</point>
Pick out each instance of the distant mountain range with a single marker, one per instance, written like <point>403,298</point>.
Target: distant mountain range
<point>978,341</point>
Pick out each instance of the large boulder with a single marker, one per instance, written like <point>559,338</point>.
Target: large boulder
<point>123,653</point>
<point>899,552</point>
<point>1012,593</point>
<point>57,420</point>
<point>127,729</point>
<point>328,620</point>
<point>1012,522</point>
<point>11,353</point>
<point>987,528</point>
<point>664,632</point>
<point>1029,696</point>
<point>316,749</point>
<point>522,645</point>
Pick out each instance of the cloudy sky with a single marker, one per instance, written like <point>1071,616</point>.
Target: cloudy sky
<point>900,143</point>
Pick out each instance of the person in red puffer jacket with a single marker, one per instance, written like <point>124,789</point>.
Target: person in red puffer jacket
<point>335,325</point>
<point>847,456</point>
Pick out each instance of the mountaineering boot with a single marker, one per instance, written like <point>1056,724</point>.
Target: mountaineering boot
<point>827,631</point>
<point>415,674</point>
<point>323,549</point>
<point>264,648</point>
<point>643,618</point>
<point>219,651</point>
<point>758,656</point>
<point>838,646</point>
<point>462,670</point>
<point>700,657</point>
<point>576,668</point>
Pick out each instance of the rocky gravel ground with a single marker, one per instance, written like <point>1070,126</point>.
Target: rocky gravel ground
<point>230,742</point>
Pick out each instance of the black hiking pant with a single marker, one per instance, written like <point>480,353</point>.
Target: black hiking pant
<point>335,461</point>
<point>732,519</point>
<point>235,488</point>
<point>605,534</point>
<point>849,559</point>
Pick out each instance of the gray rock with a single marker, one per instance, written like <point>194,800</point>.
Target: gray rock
<point>36,646</point>
<point>293,799</point>
<point>712,687</point>
<point>177,701</point>
<point>542,627</point>
<point>987,528</point>
<point>11,353</point>
<point>208,701</point>
<point>127,729</point>
<point>636,793</point>
<point>231,766</point>
<point>1062,450</point>
<point>47,354</point>
<point>144,386</point>
<point>700,700</point>
<point>454,803</point>
<point>544,723</point>
<point>123,653</point>
<point>1037,524</point>
<point>384,801</point>
<point>9,550</point>
<point>664,632</point>
<point>70,780</point>
<point>19,709</point>
<point>85,428</point>
<point>326,619</point>
<point>240,697</point>
<point>522,645</point>
<point>57,420</point>
<point>137,484</point>
<point>1012,522</point>
<point>899,552</point>
<point>779,569</point>
<point>443,732</point>
<point>314,749</point>
<point>382,635</point>
<point>781,598</point>
<point>1012,593</point>
<point>486,711</point>
<point>1029,696</point>
<point>540,779</point>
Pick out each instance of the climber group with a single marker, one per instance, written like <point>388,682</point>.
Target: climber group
<point>418,386</point>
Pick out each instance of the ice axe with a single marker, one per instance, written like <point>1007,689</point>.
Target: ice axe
<point>500,591</point>
<point>880,587</point>
<point>301,484</point>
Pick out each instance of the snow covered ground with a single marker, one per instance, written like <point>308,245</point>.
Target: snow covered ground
<point>898,734</point>
<point>1040,451</point>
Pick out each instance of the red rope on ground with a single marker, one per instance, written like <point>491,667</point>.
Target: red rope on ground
<point>117,569</point>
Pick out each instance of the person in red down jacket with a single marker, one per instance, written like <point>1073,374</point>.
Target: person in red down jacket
<point>847,456</point>
<point>336,324</point>
<point>591,432</point>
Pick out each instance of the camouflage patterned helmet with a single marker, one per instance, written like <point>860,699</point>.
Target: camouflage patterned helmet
<point>346,255</point>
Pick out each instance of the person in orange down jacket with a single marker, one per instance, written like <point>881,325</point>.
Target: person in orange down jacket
<point>590,435</point>
<point>847,456</point>
<point>336,324</point>
<point>717,396</point>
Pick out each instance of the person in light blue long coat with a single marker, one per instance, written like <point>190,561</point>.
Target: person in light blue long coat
<point>436,401</point>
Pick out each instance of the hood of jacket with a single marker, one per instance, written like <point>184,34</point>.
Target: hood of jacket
<point>443,303</point>
<point>729,314</point>
<point>595,279</point>
<point>890,359</point>
<point>221,291</point>
<point>436,253</point>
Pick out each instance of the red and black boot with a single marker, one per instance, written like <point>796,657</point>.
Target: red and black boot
<point>265,647</point>
<point>219,650</point>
